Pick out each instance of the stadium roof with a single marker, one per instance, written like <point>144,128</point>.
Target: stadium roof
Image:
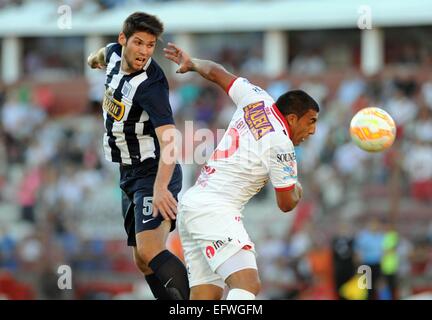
<point>40,18</point>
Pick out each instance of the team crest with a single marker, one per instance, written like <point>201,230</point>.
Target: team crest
<point>126,89</point>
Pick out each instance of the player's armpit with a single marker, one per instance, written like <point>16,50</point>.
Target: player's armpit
<point>289,197</point>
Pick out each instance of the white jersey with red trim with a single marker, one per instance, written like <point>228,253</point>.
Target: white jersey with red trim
<point>255,148</point>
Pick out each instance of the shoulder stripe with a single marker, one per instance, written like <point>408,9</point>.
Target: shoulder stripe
<point>285,188</point>
<point>114,70</point>
<point>109,50</point>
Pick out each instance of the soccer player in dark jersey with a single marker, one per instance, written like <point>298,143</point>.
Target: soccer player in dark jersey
<point>137,113</point>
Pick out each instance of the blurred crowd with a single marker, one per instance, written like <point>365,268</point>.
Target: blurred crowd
<point>60,203</point>
<point>99,5</point>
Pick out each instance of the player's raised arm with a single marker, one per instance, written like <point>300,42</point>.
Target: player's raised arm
<point>96,60</point>
<point>209,70</point>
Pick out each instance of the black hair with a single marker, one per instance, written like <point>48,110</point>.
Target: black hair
<point>296,102</point>
<point>144,22</point>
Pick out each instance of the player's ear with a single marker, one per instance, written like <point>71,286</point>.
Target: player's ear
<point>291,119</point>
<point>122,39</point>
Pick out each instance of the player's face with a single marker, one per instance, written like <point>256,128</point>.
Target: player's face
<point>137,50</point>
<point>302,128</point>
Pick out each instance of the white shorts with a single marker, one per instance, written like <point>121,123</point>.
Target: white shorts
<point>209,237</point>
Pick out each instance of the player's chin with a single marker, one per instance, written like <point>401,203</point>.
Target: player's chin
<point>137,68</point>
<point>297,142</point>
<point>138,65</point>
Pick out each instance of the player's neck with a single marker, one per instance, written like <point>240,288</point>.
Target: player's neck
<point>124,66</point>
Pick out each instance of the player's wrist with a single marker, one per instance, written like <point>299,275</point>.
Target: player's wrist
<point>193,65</point>
<point>160,186</point>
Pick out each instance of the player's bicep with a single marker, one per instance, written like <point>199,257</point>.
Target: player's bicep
<point>223,78</point>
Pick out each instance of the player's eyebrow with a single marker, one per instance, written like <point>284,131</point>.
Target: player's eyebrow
<point>142,40</point>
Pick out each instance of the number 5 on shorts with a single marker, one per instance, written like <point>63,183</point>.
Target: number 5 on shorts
<point>147,206</point>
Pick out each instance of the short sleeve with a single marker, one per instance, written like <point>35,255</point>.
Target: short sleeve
<point>242,88</point>
<point>280,161</point>
<point>155,101</point>
<point>110,49</point>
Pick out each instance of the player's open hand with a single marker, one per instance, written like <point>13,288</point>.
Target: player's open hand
<point>164,203</point>
<point>178,56</point>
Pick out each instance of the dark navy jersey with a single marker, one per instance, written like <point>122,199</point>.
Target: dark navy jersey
<point>133,106</point>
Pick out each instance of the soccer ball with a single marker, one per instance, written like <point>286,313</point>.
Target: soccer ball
<point>373,129</point>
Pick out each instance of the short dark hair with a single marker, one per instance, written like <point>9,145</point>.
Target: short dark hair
<point>296,102</point>
<point>144,22</point>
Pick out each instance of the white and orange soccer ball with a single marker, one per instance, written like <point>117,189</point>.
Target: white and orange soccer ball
<point>373,129</point>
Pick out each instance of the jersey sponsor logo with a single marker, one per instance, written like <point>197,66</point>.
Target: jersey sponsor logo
<point>216,245</point>
<point>257,120</point>
<point>113,107</point>
<point>210,252</point>
<point>290,169</point>
<point>285,157</point>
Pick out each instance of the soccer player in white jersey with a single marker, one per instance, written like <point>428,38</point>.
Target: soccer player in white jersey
<point>258,146</point>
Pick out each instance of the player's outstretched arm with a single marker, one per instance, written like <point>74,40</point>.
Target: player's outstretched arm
<point>209,70</point>
<point>96,60</point>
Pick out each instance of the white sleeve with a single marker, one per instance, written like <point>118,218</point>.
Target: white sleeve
<point>241,88</point>
<point>280,161</point>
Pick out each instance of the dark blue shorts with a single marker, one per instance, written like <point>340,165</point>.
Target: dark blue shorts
<point>136,183</point>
